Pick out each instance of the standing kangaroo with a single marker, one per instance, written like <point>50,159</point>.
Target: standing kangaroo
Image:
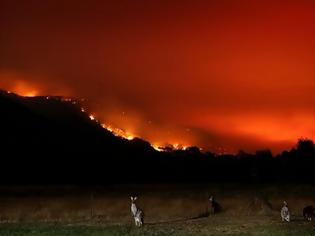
<point>136,212</point>
<point>285,212</point>
<point>215,206</point>
<point>309,213</point>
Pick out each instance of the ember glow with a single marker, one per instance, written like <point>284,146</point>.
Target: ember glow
<point>23,89</point>
<point>118,132</point>
<point>221,75</point>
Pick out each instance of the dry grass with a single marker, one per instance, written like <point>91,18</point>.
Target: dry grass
<point>167,209</point>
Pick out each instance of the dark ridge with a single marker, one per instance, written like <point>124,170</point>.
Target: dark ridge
<point>49,140</point>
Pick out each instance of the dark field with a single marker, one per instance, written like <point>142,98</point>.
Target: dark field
<point>169,210</point>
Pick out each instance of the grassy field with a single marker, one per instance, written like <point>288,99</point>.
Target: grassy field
<point>169,210</point>
<point>220,225</point>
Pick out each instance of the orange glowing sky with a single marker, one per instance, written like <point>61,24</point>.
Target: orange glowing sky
<point>221,73</point>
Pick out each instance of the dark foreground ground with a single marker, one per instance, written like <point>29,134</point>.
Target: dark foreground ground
<point>221,225</point>
<point>169,210</point>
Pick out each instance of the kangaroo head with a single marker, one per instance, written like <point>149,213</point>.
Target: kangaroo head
<point>285,203</point>
<point>211,199</point>
<point>133,199</point>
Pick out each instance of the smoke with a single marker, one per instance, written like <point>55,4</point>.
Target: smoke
<point>212,74</point>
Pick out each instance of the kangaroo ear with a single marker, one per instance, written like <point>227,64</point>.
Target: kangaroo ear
<point>131,198</point>
<point>135,198</point>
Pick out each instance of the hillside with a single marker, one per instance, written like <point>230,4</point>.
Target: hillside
<point>52,137</point>
<point>49,140</point>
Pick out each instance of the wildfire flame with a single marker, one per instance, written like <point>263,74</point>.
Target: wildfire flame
<point>119,132</point>
<point>127,134</point>
<point>30,94</point>
<point>25,89</point>
<point>157,147</point>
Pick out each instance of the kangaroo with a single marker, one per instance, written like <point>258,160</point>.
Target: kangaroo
<point>215,206</point>
<point>285,212</point>
<point>309,213</point>
<point>136,212</point>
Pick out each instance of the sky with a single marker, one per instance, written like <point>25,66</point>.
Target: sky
<point>223,75</point>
